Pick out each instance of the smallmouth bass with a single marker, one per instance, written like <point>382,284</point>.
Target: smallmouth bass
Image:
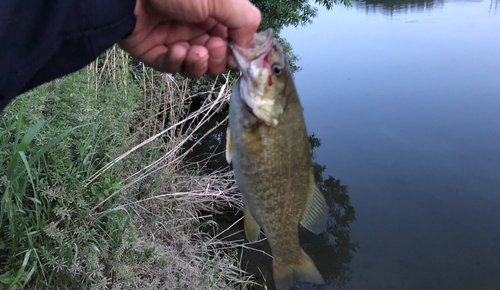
<point>268,145</point>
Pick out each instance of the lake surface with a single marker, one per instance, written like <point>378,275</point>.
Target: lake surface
<point>405,97</point>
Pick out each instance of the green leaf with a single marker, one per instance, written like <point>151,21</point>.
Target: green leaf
<point>69,254</point>
<point>19,123</point>
<point>76,252</point>
<point>29,136</point>
<point>29,275</point>
<point>46,148</point>
<point>22,147</point>
<point>21,271</point>
<point>209,222</point>
<point>35,200</point>
<point>93,246</point>
<point>25,161</point>
<point>111,210</point>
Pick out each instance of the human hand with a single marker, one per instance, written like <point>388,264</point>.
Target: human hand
<point>190,36</point>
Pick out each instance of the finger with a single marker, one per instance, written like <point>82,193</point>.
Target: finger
<point>219,30</point>
<point>196,61</point>
<point>217,51</point>
<point>174,58</point>
<point>200,40</point>
<point>178,31</point>
<point>163,36</point>
<point>241,17</point>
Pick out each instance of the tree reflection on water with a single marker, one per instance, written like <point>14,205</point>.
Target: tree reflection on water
<point>493,7</point>
<point>391,7</point>
<point>332,250</point>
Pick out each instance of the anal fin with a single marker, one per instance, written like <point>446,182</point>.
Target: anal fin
<point>252,228</point>
<point>316,213</point>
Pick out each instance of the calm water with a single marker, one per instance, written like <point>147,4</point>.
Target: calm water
<point>406,100</point>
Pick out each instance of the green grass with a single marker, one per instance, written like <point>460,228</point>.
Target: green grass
<point>64,227</point>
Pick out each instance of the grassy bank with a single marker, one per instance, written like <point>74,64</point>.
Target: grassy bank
<point>95,190</point>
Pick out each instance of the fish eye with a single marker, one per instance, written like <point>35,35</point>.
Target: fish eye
<point>276,69</point>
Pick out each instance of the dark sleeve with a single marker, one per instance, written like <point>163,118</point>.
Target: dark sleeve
<point>41,40</point>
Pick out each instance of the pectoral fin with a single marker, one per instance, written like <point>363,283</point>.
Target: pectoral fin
<point>252,228</point>
<point>316,214</point>
<point>229,144</point>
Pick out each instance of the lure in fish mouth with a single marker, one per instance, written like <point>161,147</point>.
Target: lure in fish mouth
<point>260,66</point>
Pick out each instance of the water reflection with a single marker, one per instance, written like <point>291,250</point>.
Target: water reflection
<point>209,151</point>
<point>396,7</point>
<point>391,7</point>
<point>493,7</point>
<point>332,250</point>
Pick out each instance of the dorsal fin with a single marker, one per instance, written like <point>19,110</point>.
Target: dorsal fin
<point>316,214</point>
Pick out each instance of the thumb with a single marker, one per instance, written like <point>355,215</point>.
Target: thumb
<point>240,17</point>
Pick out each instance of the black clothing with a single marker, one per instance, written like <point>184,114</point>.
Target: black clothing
<point>41,40</point>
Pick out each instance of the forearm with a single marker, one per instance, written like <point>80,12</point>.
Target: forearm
<point>44,39</point>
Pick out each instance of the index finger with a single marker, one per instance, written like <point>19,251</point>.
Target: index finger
<point>241,18</point>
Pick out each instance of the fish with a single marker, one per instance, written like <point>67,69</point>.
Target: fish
<point>268,147</point>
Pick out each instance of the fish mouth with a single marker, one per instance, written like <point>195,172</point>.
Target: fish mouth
<point>256,76</point>
<point>260,46</point>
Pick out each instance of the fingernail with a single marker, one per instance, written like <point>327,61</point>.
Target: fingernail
<point>218,54</point>
<point>201,65</point>
<point>218,59</point>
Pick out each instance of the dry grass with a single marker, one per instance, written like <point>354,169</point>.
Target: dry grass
<point>172,158</point>
<point>169,239</point>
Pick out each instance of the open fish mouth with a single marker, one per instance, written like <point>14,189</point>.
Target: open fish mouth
<point>256,80</point>
<point>260,46</point>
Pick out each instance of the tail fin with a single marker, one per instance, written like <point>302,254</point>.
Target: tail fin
<point>286,274</point>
